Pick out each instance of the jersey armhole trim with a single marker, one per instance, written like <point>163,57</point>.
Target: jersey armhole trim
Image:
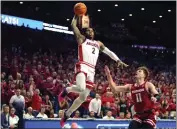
<point>130,87</point>
<point>82,42</point>
<point>148,91</point>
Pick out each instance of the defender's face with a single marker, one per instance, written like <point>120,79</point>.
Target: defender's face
<point>90,33</point>
<point>139,74</point>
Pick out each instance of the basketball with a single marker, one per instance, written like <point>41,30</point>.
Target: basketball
<point>80,9</point>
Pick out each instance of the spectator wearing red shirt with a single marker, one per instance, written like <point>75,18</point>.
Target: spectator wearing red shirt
<point>48,85</point>
<point>100,90</point>
<point>37,79</point>
<point>108,89</point>
<point>115,107</point>
<point>11,91</point>
<point>10,79</point>
<point>108,98</point>
<point>164,106</point>
<point>47,73</point>
<point>28,99</point>
<point>48,105</point>
<point>36,99</point>
<point>27,85</point>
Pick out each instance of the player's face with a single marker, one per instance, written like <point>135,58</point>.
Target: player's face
<point>89,33</point>
<point>140,74</point>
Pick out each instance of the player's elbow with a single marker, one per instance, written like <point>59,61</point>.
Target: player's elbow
<point>73,25</point>
<point>113,87</point>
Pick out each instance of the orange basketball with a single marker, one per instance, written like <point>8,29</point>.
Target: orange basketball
<point>80,9</point>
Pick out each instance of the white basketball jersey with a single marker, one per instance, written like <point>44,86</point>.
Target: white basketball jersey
<point>89,52</point>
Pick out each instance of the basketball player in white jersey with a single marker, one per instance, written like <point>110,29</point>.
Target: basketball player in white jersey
<point>88,50</point>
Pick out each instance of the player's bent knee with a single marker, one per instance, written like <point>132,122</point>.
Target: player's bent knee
<point>82,97</point>
<point>134,125</point>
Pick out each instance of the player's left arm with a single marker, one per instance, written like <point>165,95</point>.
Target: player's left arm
<point>153,91</point>
<point>111,54</point>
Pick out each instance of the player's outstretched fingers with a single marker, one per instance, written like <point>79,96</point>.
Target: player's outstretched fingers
<point>107,71</point>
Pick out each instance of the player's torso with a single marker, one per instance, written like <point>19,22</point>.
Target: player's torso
<point>141,98</point>
<point>89,51</point>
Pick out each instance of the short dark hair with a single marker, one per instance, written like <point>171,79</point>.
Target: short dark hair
<point>83,31</point>
<point>145,70</point>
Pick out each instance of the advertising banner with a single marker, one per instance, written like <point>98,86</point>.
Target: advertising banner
<point>99,124</point>
<point>13,20</point>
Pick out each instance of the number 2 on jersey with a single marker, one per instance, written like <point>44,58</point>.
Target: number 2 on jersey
<point>138,98</point>
<point>93,50</point>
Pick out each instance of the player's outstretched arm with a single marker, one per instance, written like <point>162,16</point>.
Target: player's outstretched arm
<point>113,86</point>
<point>111,54</point>
<point>153,91</point>
<point>79,37</point>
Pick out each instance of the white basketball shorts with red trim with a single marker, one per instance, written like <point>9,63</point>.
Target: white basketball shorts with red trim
<point>88,70</point>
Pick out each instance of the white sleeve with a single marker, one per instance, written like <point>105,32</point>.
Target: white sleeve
<point>12,99</point>
<point>38,115</point>
<point>46,116</point>
<point>99,110</point>
<point>110,54</point>
<point>23,101</point>
<point>17,119</point>
<point>90,105</point>
<point>104,117</point>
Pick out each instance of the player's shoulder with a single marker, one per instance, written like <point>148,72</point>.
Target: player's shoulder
<point>148,83</point>
<point>101,45</point>
<point>98,41</point>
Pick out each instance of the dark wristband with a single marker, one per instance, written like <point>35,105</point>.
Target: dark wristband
<point>157,97</point>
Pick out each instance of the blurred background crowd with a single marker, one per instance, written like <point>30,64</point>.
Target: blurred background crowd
<point>35,68</point>
<point>37,64</point>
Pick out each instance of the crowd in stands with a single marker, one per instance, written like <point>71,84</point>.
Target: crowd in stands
<point>31,83</point>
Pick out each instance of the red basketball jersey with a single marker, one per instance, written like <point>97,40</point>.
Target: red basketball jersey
<point>141,98</point>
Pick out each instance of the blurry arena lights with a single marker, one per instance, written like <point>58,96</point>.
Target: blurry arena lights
<point>122,19</point>
<point>154,21</point>
<point>116,5</point>
<point>130,15</point>
<point>67,19</point>
<point>160,16</point>
<point>142,9</point>
<point>169,10</point>
<point>173,52</point>
<point>99,10</point>
<point>21,2</point>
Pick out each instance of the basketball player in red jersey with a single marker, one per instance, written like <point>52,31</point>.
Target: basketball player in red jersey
<point>88,51</point>
<point>144,95</point>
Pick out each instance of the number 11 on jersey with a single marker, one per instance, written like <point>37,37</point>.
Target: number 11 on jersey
<point>138,98</point>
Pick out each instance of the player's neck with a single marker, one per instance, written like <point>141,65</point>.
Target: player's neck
<point>140,81</point>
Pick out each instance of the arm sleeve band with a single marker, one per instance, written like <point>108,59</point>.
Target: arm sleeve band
<point>157,97</point>
<point>111,54</point>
